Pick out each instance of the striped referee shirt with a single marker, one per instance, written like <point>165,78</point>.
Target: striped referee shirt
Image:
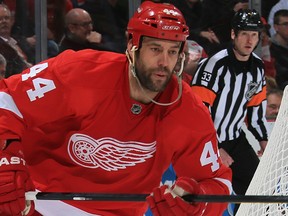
<point>235,93</point>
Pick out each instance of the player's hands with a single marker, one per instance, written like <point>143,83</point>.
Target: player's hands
<point>14,181</point>
<point>166,201</point>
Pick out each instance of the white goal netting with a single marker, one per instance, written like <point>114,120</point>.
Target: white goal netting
<point>271,176</point>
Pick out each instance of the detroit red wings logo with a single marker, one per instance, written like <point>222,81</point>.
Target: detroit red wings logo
<point>107,153</point>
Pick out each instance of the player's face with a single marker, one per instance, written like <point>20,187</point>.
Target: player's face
<point>244,43</point>
<point>155,62</point>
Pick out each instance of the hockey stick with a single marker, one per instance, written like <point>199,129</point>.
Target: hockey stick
<point>141,197</point>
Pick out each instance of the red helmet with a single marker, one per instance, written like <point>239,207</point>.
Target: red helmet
<point>157,20</point>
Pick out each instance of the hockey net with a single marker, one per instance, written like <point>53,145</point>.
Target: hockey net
<point>271,176</point>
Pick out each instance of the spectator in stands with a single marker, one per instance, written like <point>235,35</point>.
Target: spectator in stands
<point>274,97</point>
<point>79,34</point>
<point>56,11</point>
<point>279,47</point>
<point>23,28</point>
<point>186,76</point>
<point>232,85</point>
<point>192,11</point>
<point>110,18</point>
<point>14,55</point>
<point>270,83</point>
<point>3,64</point>
<point>269,62</point>
<point>193,53</point>
<point>25,20</point>
<point>281,4</point>
<point>266,7</point>
<point>214,25</point>
<point>77,3</point>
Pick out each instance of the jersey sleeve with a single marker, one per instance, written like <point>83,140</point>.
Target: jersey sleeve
<point>205,83</point>
<point>199,159</point>
<point>33,98</point>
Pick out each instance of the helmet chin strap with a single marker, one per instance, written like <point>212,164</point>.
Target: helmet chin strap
<point>178,75</point>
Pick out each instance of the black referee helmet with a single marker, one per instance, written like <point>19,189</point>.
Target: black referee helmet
<point>247,20</point>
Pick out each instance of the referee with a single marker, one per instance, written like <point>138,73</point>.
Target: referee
<point>232,84</point>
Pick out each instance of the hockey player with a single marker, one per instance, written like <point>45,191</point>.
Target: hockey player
<point>232,84</point>
<point>102,122</point>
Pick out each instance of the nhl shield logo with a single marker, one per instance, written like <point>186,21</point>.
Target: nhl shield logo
<point>136,109</point>
<point>252,88</point>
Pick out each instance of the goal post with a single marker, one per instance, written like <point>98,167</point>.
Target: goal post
<point>271,176</point>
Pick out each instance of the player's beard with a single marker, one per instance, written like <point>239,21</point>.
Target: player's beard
<point>144,75</point>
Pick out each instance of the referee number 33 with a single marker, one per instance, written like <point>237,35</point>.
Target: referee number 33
<point>41,85</point>
<point>206,76</point>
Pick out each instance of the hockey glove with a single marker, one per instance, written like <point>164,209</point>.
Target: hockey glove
<point>168,202</point>
<point>14,181</point>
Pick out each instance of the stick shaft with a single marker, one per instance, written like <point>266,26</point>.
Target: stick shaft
<point>142,197</point>
<point>84,196</point>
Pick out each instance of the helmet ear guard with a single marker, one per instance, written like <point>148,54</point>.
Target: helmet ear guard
<point>181,63</point>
